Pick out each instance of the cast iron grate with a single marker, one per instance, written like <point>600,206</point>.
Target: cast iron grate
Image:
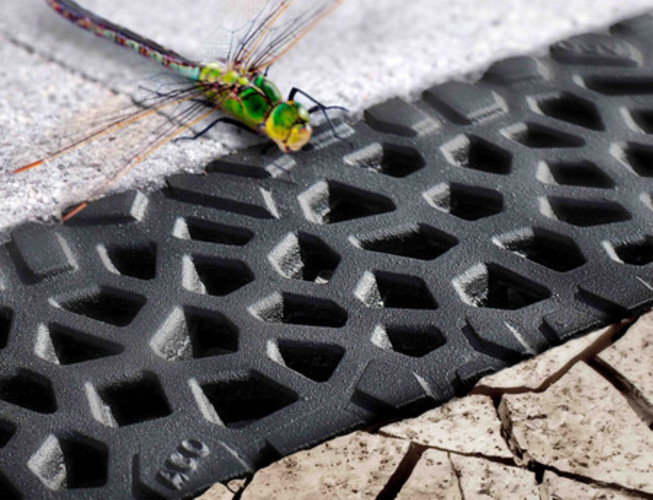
<point>158,343</point>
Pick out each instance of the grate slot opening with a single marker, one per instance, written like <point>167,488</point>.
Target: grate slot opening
<point>389,159</point>
<point>212,232</point>
<point>644,120</point>
<point>65,346</point>
<point>6,320</point>
<point>492,287</point>
<point>465,202</point>
<point>7,490</point>
<point>70,462</point>
<point>86,463</point>
<point>30,391</point>
<point>418,242</point>
<point>317,362</point>
<point>222,277</point>
<point>137,262</point>
<point>396,291</point>
<point>300,310</point>
<point>583,173</point>
<point>195,333</point>
<point>588,213</point>
<point>415,341</point>
<point>548,249</point>
<point>621,86</point>
<point>478,154</point>
<point>136,401</point>
<point>640,159</point>
<point>7,430</point>
<point>242,402</point>
<point>331,203</point>
<point>304,257</point>
<point>107,305</point>
<point>571,109</point>
<point>639,253</point>
<point>211,334</point>
<point>537,136</point>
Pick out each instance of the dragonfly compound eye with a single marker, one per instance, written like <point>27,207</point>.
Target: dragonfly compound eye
<point>287,125</point>
<point>300,135</point>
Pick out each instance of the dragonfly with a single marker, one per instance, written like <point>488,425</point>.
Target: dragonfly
<point>235,85</point>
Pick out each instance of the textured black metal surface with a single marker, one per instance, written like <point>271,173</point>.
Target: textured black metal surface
<point>159,343</point>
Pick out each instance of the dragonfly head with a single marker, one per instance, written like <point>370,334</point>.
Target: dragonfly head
<point>289,126</point>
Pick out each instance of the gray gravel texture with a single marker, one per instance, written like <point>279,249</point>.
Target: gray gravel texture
<point>54,76</point>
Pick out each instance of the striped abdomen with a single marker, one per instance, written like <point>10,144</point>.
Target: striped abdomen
<point>101,27</point>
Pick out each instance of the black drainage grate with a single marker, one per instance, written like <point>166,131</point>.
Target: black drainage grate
<point>194,334</point>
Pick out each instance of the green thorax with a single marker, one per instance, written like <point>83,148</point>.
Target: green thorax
<point>247,97</point>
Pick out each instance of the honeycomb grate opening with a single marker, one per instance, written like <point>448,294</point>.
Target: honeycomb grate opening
<point>388,159</point>
<point>549,249</point>
<point>294,309</point>
<point>106,305</point>
<point>588,213</point>
<point>6,320</point>
<point>241,402</point>
<point>478,154</point>
<point>465,202</point>
<point>630,86</point>
<point>414,341</point>
<point>315,361</point>
<point>492,287</point>
<point>136,262</point>
<point>70,462</point>
<point>643,119</point>
<point>640,158</point>
<point>537,136</point>
<point>220,278</point>
<point>637,253</point>
<point>571,109</point>
<point>30,391</point>
<point>331,203</point>
<point>212,232</point>
<point>136,401</point>
<point>395,291</point>
<point>304,257</point>
<point>583,173</point>
<point>420,242</point>
<point>65,346</point>
<point>7,430</point>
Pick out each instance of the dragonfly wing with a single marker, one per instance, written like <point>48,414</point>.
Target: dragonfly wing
<point>116,142</point>
<point>274,27</point>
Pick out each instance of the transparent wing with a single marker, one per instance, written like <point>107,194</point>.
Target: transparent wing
<point>262,31</point>
<point>116,142</point>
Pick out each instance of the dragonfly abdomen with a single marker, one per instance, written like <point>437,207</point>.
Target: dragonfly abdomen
<point>101,27</point>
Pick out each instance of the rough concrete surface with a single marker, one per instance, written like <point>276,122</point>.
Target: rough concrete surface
<point>582,425</point>
<point>486,480</point>
<point>630,360</point>
<point>556,487</point>
<point>54,76</point>
<point>576,435</point>
<point>354,466</point>
<point>447,428</point>
<point>433,477</point>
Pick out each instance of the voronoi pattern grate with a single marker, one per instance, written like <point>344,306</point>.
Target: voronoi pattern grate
<point>159,343</point>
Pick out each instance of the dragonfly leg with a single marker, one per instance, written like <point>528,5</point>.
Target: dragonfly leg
<point>315,109</point>
<point>204,131</point>
<point>323,109</point>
